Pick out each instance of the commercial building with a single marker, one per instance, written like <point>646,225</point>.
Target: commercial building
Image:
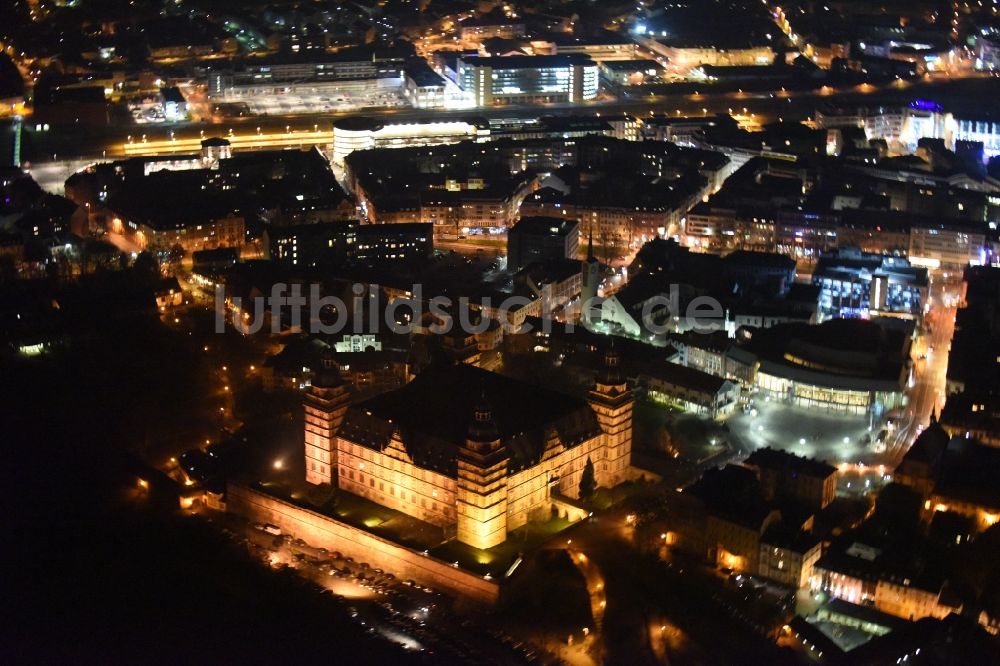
<point>423,87</point>
<point>987,48</point>
<point>692,54</point>
<point>490,26</point>
<point>355,70</point>
<point>947,247</point>
<point>625,73</point>
<point>606,46</point>
<point>527,79</point>
<point>480,462</point>
<point>175,107</point>
<point>359,133</point>
<point>906,125</point>
<point>858,284</point>
<point>846,365</point>
<point>540,238</point>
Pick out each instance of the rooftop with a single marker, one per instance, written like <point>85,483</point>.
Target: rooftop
<point>542,225</point>
<point>773,459</point>
<point>432,414</point>
<point>529,62</point>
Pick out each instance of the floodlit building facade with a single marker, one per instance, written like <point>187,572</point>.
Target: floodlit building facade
<point>527,79</point>
<point>350,134</point>
<point>418,451</point>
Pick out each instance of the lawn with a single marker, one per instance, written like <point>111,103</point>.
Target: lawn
<point>497,560</point>
<point>667,431</point>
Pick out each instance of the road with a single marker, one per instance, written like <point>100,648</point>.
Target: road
<point>930,369</point>
<point>313,128</point>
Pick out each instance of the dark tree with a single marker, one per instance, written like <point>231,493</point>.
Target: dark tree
<point>588,484</point>
<point>175,255</point>
<point>146,269</point>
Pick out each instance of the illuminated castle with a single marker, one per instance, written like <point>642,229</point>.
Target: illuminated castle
<point>471,450</point>
<point>326,404</point>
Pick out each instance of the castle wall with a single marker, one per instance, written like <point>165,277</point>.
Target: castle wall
<point>326,532</point>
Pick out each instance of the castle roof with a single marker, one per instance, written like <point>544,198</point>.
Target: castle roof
<point>433,415</point>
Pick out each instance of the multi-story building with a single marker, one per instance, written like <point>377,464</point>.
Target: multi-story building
<point>202,233</point>
<point>788,556</point>
<point>357,70</point>
<point>953,475</point>
<point>854,284</point>
<point>867,575</point>
<point>686,55</point>
<point>987,48</point>
<point>905,126</point>
<point>527,79</point>
<point>515,449</point>
<point>702,351</point>
<point>541,238</point>
<point>338,242</point>
<point>491,26</point>
<point>951,247</point>
<point>360,133</point>
<point>788,477</point>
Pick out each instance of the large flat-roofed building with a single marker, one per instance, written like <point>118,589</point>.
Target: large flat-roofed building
<point>355,69</point>
<point>692,54</point>
<point>351,134</point>
<point>855,283</point>
<point>906,125</point>
<point>540,238</point>
<point>423,87</point>
<point>479,453</point>
<point>848,365</point>
<point>635,72</point>
<point>527,79</point>
<point>491,26</point>
<point>604,46</point>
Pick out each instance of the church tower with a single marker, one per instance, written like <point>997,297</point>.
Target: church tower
<point>482,483</point>
<point>326,403</point>
<point>612,402</point>
<point>591,281</point>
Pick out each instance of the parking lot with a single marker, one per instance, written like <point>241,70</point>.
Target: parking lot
<point>835,438</point>
<point>316,102</point>
<point>415,617</point>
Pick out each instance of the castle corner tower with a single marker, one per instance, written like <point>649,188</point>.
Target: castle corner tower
<point>612,402</point>
<point>326,403</point>
<point>482,483</point>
